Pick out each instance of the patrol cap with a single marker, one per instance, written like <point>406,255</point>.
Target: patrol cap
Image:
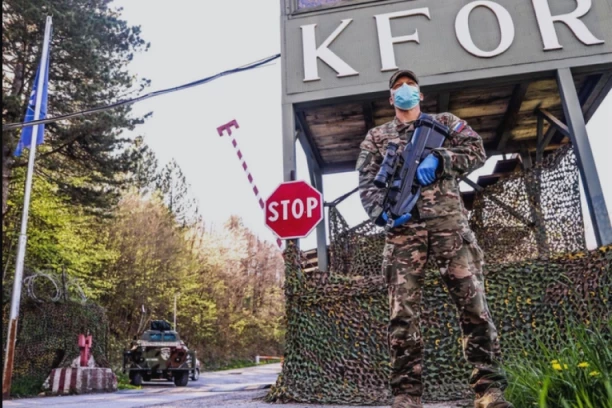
<point>402,73</point>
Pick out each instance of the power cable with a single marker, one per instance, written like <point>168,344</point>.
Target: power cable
<point>243,68</point>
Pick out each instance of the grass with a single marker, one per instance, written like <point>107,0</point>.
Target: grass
<point>123,382</point>
<point>230,365</point>
<point>577,374</point>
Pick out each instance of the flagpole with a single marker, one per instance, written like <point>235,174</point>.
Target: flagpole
<point>16,296</point>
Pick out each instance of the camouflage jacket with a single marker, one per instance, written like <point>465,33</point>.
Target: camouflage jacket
<point>462,152</point>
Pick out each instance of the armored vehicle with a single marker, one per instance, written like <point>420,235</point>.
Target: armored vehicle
<point>160,353</point>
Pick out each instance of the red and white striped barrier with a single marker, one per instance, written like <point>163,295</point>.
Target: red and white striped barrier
<point>81,380</point>
<point>228,129</point>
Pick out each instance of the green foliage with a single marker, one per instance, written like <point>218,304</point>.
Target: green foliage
<point>60,234</point>
<point>576,374</point>
<point>28,385</point>
<point>107,215</point>
<point>91,47</point>
<point>174,189</point>
<point>123,382</point>
<point>233,364</point>
<point>47,338</point>
<point>229,295</point>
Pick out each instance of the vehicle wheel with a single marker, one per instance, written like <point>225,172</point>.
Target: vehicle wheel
<point>136,379</point>
<point>146,377</point>
<point>195,374</point>
<point>181,378</point>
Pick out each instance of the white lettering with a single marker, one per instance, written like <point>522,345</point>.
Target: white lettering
<point>547,27</point>
<point>506,26</point>
<point>311,204</point>
<point>311,53</point>
<point>386,40</point>
<point>297,213</point>
<point>272,208</point>
<point>285,213</point>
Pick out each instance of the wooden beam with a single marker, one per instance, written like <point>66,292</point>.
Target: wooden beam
<point>504,130</point>
<point>540,139</point>
<point>443,101</point>
<point>593,101</point>
<point>515,147</point>
<point>589,97</point>
<point>368,115</point>
<point>526,158</point>
<point>341,167</point>
<point>307,140</point>
<point>554,121</point>
<point>587,93</point>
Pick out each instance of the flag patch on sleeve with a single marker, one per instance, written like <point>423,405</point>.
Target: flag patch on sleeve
<point>459,126</point>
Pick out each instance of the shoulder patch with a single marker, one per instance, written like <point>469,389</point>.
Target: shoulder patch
<point>459,126</point>
<point>363,160</point>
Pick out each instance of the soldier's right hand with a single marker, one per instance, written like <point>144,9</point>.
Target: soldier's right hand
<point>397,222</point>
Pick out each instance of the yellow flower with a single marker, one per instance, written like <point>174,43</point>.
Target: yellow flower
<point>565,366</point>
<point>594,373</point>
<point>583,364</point>
<point>557,366</point>
<point>555,362</point>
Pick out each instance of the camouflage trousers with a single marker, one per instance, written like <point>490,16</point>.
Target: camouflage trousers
<point>453,245</point>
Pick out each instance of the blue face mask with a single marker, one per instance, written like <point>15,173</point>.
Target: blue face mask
<point>406,97</point>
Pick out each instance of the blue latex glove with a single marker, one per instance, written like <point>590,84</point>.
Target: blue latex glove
<point>426,172</point>
<point>400,221</point>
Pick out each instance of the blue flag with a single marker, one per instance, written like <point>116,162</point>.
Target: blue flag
<point>26,134</point>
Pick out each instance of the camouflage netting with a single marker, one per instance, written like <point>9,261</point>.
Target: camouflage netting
<point>547,196</point>
<point>336,343</point>
<point>47,334</point>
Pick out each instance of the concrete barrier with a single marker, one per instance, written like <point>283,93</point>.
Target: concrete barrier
<point>80,380</point>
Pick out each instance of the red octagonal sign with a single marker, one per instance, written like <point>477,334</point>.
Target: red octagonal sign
<point>293,210</point>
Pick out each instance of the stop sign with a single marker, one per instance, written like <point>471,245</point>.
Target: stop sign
<point>293,210</point>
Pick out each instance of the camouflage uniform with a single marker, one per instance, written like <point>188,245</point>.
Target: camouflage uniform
<point>438,227</point>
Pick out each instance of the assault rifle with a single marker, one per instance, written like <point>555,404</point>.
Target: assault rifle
<point>397,173</point>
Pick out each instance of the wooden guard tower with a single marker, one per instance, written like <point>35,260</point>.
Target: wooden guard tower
<point>526,75</point>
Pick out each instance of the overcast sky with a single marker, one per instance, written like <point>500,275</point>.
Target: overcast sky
<point>193,39</point>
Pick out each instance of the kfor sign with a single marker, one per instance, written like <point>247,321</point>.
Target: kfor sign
<point>293,210</point>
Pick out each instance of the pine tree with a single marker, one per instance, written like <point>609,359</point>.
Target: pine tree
<point>145,175</point>
<point>174,188</point>
<point>90,49</point>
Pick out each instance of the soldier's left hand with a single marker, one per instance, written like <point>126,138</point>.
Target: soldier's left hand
<point>426,172</point>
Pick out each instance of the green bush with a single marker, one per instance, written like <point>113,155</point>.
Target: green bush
<point>576,375</point>
<point>26,386</point>
<point>233,364</point>
<point>123,382</point>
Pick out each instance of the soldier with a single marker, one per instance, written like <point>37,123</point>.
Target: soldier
<point>437,226</point>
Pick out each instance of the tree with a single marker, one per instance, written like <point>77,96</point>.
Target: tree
<point>174,189</point>
<point>149,267</point>
<point>145,175</point>
<point>60,234</point>
<point>90,49</point>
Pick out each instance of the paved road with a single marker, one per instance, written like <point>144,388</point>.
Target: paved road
<point>240,388</point>
<point>210,384</point>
